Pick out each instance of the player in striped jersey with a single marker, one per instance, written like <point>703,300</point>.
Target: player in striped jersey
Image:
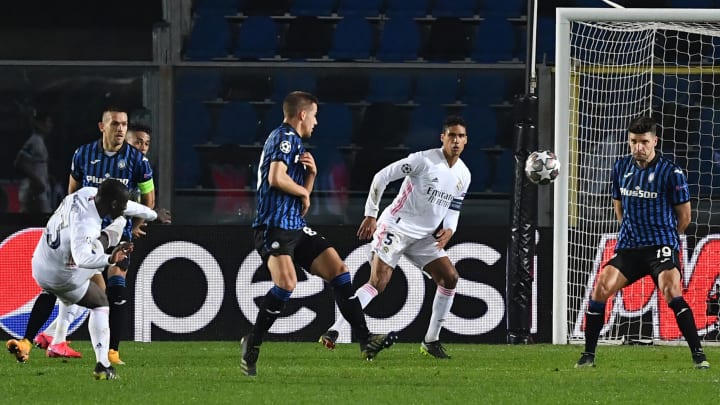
<point>652,203</point>
<point>418,224</point>
<point>108,157</point>
<point>286,175</point>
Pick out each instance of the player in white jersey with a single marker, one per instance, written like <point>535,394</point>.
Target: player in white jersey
<point>418,224</point>
<point>72,251</point>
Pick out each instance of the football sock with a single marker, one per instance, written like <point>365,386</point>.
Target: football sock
<point>99,328</point>
<point>61,324</point>
<point>41,310</point>
<point>686,322</point>
<point>440,309</point>
<point>116,293</point>
<point>270,309</point>
<point>594,320</point>
<point>73,312</point>
<point>364,294</point>
<point>349,305</point>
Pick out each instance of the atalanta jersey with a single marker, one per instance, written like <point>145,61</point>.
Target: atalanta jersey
<point>648,196</point>
<point>276,208</point>
<point>91,165</point>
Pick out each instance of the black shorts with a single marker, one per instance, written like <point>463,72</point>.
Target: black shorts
<point>635,264</point>
<point>302,245</point>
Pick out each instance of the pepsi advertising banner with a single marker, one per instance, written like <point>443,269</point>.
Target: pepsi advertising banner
<point>205,283</point>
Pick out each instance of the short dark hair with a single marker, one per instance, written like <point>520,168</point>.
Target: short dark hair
<point>642,124</point>
<point>113,190</point>
<point>453,120</point>
<point>297,101</point>
<point>140,128</point>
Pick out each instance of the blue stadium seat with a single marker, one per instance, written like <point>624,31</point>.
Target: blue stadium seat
<point>477,162</point>
<point>484,87</point>
<point>197,85</point>
<point>227,7</point>
<point>495,41</point>
<point>271,119</point>
<point>425,127</point>
<point>436,88</point>
<point>407,8</point>
<point>399,41</point>
<point>296,43</point>
<point>257,38</point>
<point>455,8</point>
<point>507,8</point>
<point>192,123</point>
<point>335,125</point>
<point>209,38</point>
<point>450,39</point>
<point>353,39</point>
<point>390,88</point>
<point>344,88</point>
<point>237,124</point>
<point>313,7</point>
<point>266,7</point>
<point>504,173</point>
<point>482,125</point>
<point>284,83</point>
<point>363,8</point>
<point>545,39</point>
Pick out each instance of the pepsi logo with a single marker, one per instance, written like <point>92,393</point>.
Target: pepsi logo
<point>18,289</point>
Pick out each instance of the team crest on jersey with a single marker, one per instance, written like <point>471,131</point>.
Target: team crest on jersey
<point>406,168</point>
<point>121,164</point>
<point>285,147</point>
<point>651,177</point>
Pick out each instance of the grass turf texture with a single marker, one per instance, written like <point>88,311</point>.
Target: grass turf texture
<point>209,372</point>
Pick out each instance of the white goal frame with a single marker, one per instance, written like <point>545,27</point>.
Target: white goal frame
<point>564,16</point>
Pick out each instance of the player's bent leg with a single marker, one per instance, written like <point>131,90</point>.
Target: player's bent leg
<point>669,285</point>
<point>446,277</point>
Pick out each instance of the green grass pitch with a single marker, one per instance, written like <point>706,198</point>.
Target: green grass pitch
<point>293,373</point>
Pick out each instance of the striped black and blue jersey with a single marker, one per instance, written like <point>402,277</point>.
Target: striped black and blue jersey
<point>648,197</point>
<point>91,165</point>
<point>276,208</point>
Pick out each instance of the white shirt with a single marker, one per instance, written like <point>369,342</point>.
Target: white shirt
<point>431,193</point>
<point>70,239</point>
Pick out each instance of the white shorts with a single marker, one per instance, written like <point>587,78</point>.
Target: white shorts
<point>389,244</point>
<point>69,285</point>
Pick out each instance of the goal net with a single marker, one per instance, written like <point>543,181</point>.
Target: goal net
<point>613,65</point>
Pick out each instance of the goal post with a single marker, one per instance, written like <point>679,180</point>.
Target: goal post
<point>613,65</point>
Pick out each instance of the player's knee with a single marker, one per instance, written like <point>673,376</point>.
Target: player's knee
<point>601,292</point>
<point>116,271</point>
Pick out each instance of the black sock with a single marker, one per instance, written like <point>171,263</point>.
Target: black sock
<point>270,309</point>
<point>118,309</point>
<point>686,322</point>
<point>349,305</point>
<point>594,321</point>
<point>41,310</point>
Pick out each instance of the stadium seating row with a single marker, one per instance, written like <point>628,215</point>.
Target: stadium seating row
<point>489,86</point>
<point>375,133</point>
<point>365,8</point>
<point>355,38</point>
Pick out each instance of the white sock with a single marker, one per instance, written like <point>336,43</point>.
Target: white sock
<point>365,294</point>
<point>73,312</point>
<point>99,327</point>
<point>61,324</point>
<point>440,309</point>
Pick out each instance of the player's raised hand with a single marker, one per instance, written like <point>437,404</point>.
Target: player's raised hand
<point>443,237</point>
<point>308,160</point>
<point>164,216</point>
<point>367,228</point>
<point>121,252</point>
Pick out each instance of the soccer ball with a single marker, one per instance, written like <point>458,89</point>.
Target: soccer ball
<point>542,167</point>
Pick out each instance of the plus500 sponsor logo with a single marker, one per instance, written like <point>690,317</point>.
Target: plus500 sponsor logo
<point>147,312</point>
